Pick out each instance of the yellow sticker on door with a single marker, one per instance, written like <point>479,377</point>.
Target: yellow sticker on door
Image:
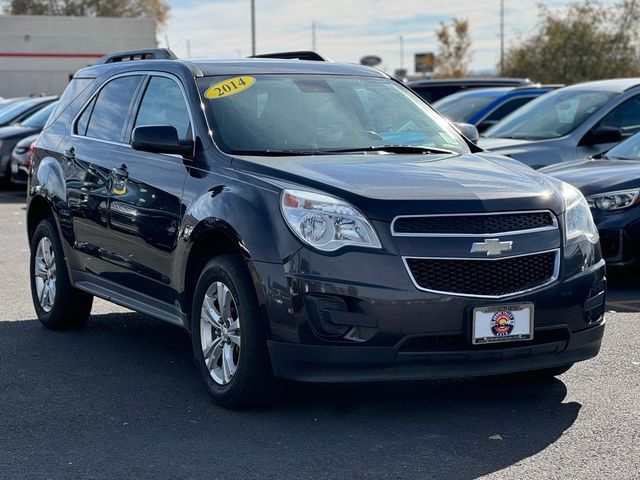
<point>228,87</point>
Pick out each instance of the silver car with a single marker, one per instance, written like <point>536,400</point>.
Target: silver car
<point>568,124</point>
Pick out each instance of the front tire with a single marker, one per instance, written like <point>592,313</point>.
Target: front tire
<point>228,337</point>
<point>58,304</point>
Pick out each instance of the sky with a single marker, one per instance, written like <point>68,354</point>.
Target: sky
<point>346,30</point>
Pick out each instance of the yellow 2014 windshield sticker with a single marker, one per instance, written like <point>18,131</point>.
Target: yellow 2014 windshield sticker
<point>228,87</point>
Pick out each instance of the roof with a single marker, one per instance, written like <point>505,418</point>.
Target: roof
<point>470,81</point>
<point>252,66</point>
<point>615,85</point>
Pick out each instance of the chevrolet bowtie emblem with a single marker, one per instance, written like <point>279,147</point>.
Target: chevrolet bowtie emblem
<point>492,246</point>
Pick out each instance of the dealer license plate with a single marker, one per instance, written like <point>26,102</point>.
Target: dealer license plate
<point>502,323</point>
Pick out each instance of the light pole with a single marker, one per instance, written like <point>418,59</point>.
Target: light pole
<point>253,27</point>
<point>401,52</point>
<point>501,37</point>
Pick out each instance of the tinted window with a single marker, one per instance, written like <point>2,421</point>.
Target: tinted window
<point>461,107</point>
<point>107,121</point>
<point>629,149</point>
<point>625,116</point>
<point>75,88</point>
<point>163,104</point>
<point>83,121</point>
<point>508,107</point>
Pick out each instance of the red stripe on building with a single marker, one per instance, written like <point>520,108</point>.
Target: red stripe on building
<point>52,55</point>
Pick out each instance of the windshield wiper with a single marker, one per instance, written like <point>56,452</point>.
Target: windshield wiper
<point>276,153</point>
<point>412,149</point>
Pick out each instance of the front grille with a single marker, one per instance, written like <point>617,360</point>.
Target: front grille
<point>473,224</point>
<point>481,277</point>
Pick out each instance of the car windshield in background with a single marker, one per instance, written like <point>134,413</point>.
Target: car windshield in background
<point>627,150</point>
<point>550,116</point>
<point>307,114</point>
<point>38,119</point>
<point>462,107</point>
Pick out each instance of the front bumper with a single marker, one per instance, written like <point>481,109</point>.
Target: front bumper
<point>314,363</point>
<point>419,335</point>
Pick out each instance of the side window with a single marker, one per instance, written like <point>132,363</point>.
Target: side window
<point>164,104</point>
<point>508,107</point>
<point>107,120</point>
<point>625,116</point>
<point>83,121</point>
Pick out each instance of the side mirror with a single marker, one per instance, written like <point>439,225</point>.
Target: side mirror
<point>160,139</point>
<point>469,131</point>
<point>600,135</point>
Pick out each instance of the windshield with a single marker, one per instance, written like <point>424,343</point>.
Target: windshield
<point>462,107</point>
<point>550,116</point>
<point>15,110</point>
<point>38,119</point>
<point>319,113</point>
<point>627,150</point>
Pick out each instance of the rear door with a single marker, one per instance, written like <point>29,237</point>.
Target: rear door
<point>145,203</point>
<point>90,154</point>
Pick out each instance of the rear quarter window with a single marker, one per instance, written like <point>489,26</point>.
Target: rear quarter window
<point>75,88</point>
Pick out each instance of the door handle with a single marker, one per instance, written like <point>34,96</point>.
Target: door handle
<point>121,172</point>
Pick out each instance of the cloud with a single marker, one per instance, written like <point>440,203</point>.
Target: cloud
<point>346,30</point>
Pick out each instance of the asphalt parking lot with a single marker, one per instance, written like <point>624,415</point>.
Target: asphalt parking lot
<point>121,399</point>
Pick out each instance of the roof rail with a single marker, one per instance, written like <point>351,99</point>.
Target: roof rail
<point>142,54</point>
<point>299,55</point>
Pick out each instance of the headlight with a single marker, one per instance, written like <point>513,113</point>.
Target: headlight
<point>325,222</point>
<point>578,221</point>
<point>613,200</point>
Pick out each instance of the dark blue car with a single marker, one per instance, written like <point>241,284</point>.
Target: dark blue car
<point>485,107</point>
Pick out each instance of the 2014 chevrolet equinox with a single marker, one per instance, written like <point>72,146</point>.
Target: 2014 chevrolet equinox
<point>305,220</point>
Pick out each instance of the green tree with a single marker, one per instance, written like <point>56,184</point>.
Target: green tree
<point>157,9</point>
<point>587,41</point>
<point>454,49</point>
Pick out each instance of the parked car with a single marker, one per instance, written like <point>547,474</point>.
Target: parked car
<point>484,107</point>
<point>611,183</point>
<point>433,90</point>
<point>19,110</point>
<point>11,135</point>
<point>568,124</point>
<point>306,220</point>
<point>7,102</point>
<point>21,159</point>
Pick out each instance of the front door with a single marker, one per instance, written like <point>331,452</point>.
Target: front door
<point>145,202</point>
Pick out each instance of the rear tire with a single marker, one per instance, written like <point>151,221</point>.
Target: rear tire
<point>58,305</point>
<point>228,338</point>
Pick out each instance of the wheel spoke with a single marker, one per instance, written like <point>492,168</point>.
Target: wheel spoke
<point>212,354</point>
<point>235,339</point>
<point>224,298</point>
<point>52,291</point>
<point>227,361</point>
<point>39,268</point>
<point>210,315</point>
<point>44,301</point>
<point>47,251</point>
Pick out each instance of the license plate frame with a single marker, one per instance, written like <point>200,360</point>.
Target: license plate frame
<point>508,318</point>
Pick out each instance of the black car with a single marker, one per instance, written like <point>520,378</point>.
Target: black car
<point>305,220</point>
<point>17,111</point>
<point>11,135</point>
<point>611,183</point>
<point>433,90</point>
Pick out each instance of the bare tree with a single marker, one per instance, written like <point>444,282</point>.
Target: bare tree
<point>454,50</point>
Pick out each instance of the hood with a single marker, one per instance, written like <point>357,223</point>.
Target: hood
<point>489,143</point>
<point>385,184</point>
<point>597,176</point>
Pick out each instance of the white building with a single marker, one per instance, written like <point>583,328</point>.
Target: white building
<point>39,54</point>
